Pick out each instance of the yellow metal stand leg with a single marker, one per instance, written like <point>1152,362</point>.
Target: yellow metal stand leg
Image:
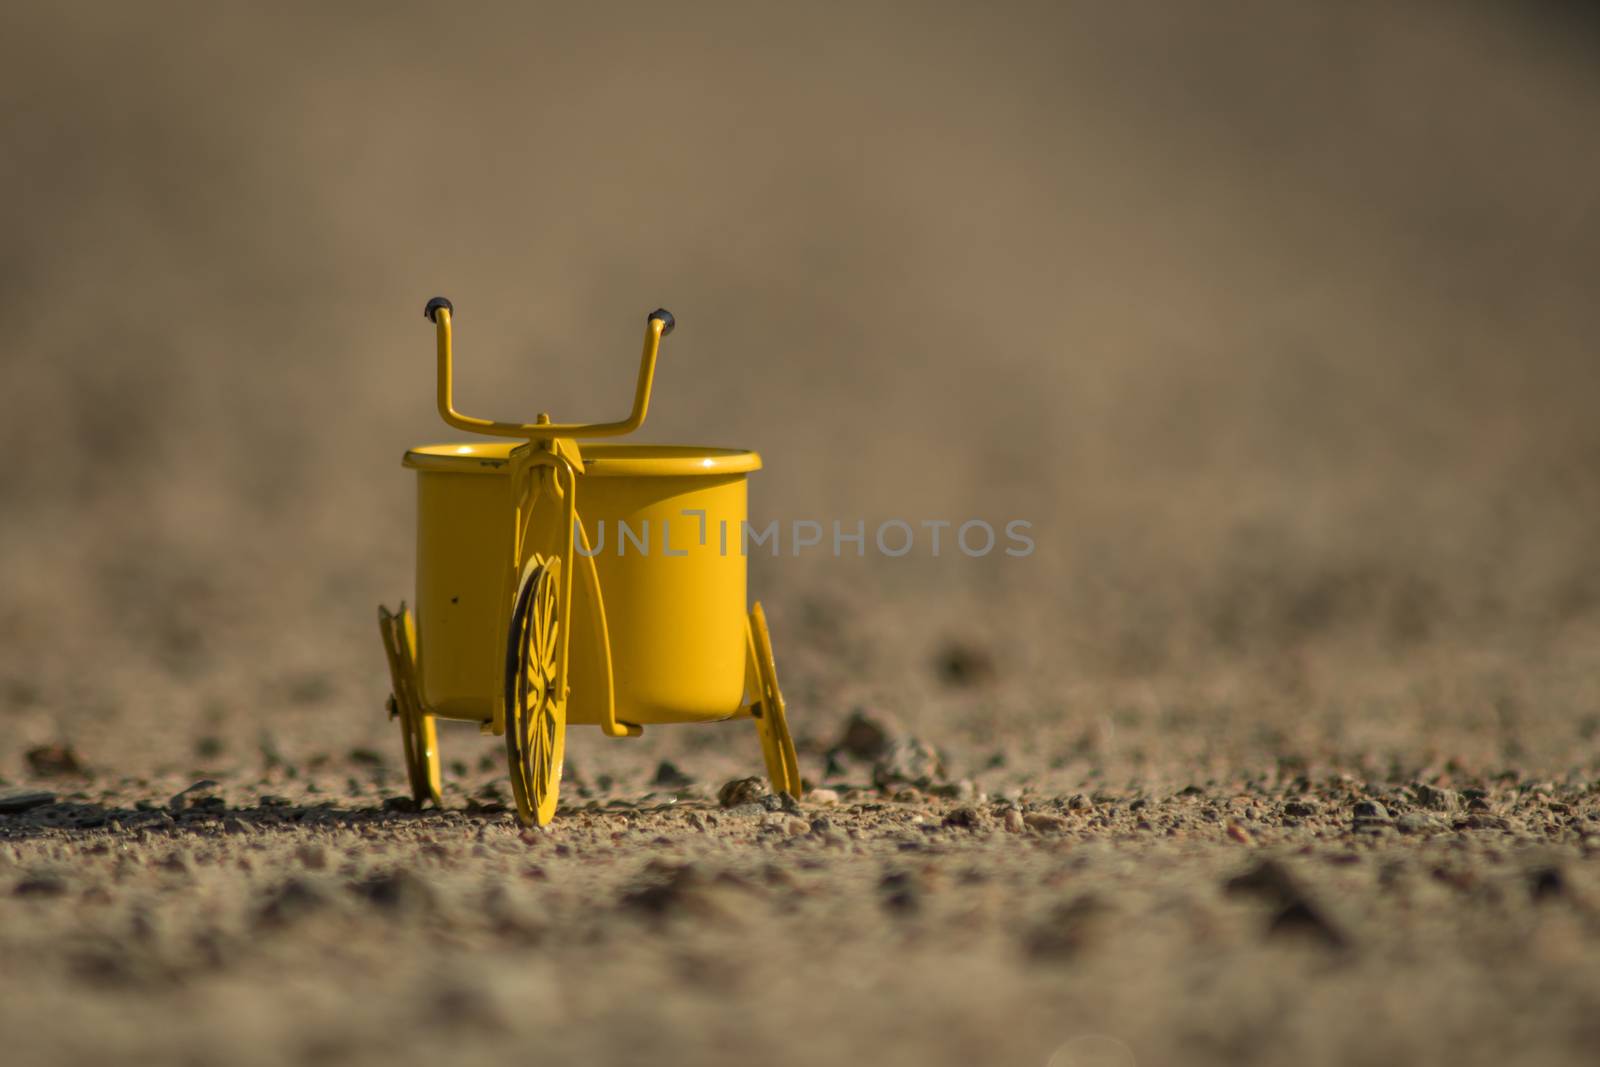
<point>783,766</point>
<point>417,730</point>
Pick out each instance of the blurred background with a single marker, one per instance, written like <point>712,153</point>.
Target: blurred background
<point>1277,321</point>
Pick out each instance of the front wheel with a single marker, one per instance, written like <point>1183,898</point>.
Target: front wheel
<point>536,715</point>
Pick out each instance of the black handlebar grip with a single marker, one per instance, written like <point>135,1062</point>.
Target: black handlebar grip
<point>666,318</point>
<point>440,302</point>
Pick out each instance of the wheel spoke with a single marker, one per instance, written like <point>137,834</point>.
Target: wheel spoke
<point>547,614</point>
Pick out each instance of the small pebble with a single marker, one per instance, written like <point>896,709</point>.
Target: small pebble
<point>907,760</point>
<point>1415,823</point>
<point>1043,822</point>
<point>740,791</point>
<point>54,761</point>
<point>1435,799</point>
<point>864,736</point>
<point>965,818</point>
<point>200,796</point>
<point>668,776</point>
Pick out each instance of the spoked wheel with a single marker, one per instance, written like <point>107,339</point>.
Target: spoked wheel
<point>536,715</point>
<point>783,767</point>
<point>418,734</point>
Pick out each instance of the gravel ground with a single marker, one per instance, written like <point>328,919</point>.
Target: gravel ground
<point>308,913</point>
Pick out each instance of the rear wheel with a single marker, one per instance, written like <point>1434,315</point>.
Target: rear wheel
<point>418,735</point>
<point>783,766</point>
<point>536,715</point>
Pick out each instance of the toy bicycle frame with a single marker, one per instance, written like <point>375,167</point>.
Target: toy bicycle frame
<point>552,459</point>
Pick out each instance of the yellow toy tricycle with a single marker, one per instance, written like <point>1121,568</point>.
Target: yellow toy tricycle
<point>528,619</point>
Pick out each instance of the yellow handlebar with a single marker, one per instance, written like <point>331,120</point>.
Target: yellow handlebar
<point>657,325</point>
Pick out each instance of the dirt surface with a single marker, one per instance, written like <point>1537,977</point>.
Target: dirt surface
<point>1261,921</point>
<point>1299,909</point>
<point>1275,320</point>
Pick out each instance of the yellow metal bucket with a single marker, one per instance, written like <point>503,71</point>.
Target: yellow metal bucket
<point>664,526</point>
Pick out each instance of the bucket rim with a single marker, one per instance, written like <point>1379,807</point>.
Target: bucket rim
<point>611,460</point>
